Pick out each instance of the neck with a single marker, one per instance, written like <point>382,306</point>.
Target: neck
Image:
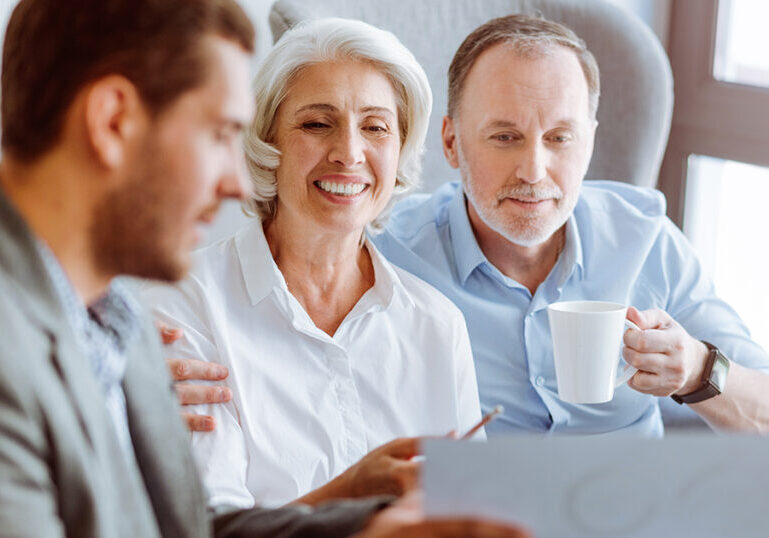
<point>311,252</point>
<point>326,271</point>
<point>528,266</point>
<point>55,202</point>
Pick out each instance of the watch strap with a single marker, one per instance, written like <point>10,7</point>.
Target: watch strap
<point>713,378</point>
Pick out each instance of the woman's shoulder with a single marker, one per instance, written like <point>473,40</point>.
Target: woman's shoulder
<point>428,301</point>
<point>211,260</point>
<point>210,272</point>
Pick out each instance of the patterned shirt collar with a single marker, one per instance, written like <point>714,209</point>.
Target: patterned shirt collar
<point>104,331</point>
<point>115,313</point>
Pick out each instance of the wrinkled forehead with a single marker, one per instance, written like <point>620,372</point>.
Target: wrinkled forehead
<point>546,80</point>
<point>228,72</point>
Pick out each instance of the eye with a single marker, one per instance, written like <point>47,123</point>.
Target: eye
<point>375,127</point>
<point>314,125</point>
<point>505,138</point>
<point>223,134</point>
<point>559,138</point>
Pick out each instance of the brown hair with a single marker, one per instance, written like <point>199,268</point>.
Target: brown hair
<point>53,48</point>
<point>528,36</point>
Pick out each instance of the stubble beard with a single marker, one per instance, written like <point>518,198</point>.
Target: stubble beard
<point>522,230</point>
<point>132,231</point>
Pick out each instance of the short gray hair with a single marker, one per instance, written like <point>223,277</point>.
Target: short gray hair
<point>528,36</point>
<point>327,40</point>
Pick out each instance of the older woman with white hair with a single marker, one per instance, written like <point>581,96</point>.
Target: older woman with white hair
<point>332,351</point>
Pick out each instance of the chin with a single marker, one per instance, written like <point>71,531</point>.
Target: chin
<point>177,269</point>
<point>525,234</point>
<point>164,268</point>
<point>343,227</point>
<point>526,242</point>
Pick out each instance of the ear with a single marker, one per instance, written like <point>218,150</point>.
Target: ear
<point>114,116</point>
<point>449,137</point>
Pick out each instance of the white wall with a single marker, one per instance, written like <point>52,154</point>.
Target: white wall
<point>654,12</point>
<point>5,12</point>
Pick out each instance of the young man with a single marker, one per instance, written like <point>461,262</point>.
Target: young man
<point>121,124</point>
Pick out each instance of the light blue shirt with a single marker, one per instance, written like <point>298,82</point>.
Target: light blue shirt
<point>619,247</point>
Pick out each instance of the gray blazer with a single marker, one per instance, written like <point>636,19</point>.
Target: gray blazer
<point>62,472</point>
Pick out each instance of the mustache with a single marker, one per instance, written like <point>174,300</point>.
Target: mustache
<point>524,191</point>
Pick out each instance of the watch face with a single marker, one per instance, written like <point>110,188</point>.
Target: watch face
<point>718,373</point>
<point>713,378</point>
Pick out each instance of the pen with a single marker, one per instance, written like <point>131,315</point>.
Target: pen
<point>485,420</point>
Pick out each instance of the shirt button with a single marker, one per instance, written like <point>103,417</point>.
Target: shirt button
<point>539,381</point>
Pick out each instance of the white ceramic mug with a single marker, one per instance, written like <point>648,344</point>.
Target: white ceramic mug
<point>587,340</point>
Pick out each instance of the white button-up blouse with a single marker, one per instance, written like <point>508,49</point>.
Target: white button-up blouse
<point>306,405</point>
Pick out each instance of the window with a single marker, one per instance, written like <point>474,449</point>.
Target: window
<point>726,204</point>
<point>716,168</point>
<point>739,55</point>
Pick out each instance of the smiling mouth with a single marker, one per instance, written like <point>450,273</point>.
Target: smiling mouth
<point>525,201</point>
<point>341,189</point>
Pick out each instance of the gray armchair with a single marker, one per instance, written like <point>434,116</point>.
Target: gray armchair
<point>636,81</point>
<point>637,86</point>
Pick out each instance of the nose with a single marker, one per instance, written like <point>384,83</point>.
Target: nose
<point>347,147</point>
<point>235,182</point>
<point>532,167</point>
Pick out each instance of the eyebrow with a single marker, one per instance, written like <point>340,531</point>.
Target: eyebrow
<point>234,124</point>
<point>505,124</point>
<point>331,108</point>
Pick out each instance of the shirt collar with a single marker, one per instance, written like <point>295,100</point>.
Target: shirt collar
<point>261,274</point>
<point>467,253</point>
<point>118,313</point>
<point>258,268</point>
<point>571,259</point>
<point>388,286</point>
<point>115,312</point>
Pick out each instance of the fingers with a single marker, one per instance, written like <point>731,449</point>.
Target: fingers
<point>202,394</point>
<point>185,369</point>
<point>405,475</point>
<point>168,334</point>
<point>659,351</point>
<point>377,473</point>
<point>634,315</point>
<point>654,384</point>
<point>649,319</point>
<point>412,501</point>
<point>665,341</point>
<point>199,423</point>
<point>647,362</point>
<point>402,448</point>
<point>456,528</point>
<point>660,374</point>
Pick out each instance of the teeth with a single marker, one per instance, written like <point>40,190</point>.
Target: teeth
<point>341,189</point>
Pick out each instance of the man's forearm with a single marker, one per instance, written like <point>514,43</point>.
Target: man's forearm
<point>743,406</point>
<point>338,518</point>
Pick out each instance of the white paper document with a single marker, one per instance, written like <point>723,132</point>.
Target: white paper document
<point>561,487</point>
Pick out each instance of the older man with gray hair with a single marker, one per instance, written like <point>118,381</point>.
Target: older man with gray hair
<point>522,230</point>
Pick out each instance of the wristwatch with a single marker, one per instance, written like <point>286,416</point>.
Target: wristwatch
<point>713,378</point>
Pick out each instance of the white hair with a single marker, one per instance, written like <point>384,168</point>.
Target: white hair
<point>329,40</point>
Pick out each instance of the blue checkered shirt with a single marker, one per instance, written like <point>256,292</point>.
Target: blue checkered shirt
<point>103,330</point>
